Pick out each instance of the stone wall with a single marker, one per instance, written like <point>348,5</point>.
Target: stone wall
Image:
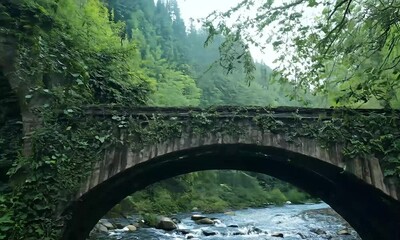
<point>118,160</point>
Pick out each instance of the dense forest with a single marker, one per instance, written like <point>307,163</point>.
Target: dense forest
<point>175,59</point>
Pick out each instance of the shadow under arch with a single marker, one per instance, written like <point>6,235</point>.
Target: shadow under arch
<point>10,128</point>
<point>373,214</point>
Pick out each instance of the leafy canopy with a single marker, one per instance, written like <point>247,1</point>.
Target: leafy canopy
<point>348,46</point>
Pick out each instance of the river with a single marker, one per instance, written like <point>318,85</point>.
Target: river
<point>308,221</point>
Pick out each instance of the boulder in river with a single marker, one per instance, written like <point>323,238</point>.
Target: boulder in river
<point>255,230</point>
<point>183,231</point>
<point>318,231</point>
<point>209,233</point>
<point>176,220</point>
<point>119,225</point>
<point>280,235</point>
<point>106,224</point>
<point>233,226</point>
<point>191,236</point>
<point>131,228</point>
<point>100,228</point>
<point>196,217</point>
<point>166,224</point>
<point>205,221</point>
<point>344,232</point>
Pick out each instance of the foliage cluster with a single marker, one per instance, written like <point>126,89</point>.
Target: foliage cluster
<point>362,135</point>
<point>344,48</point>
<point>208,191</point>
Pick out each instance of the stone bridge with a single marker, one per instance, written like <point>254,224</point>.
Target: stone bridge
<point>277,142</point>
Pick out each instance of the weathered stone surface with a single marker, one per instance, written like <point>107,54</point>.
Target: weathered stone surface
<point>280,235</point>
<point>318,231</point>
<point>101,228</point>
<point>209,232</point>
<point>106,224</point>
<point>131,228</point>
<point>343,232</point>
<point>166,224</point>
<point>205,221</point>
<point>196,217</point>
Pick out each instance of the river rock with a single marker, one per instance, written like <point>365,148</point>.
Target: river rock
<point>106,224</point>
<point>101,228</point>
<point>280,235</point>
<point>191,236</point>
<point>209,233</point>
<point>183,231</point>
<point>343,232</point>
<point>233,226</point>
<point>166,224</point>
<point>205,221</point>
<point>118,225</point>
<point>176,220</point>
<point>196,217</point>
<point>318,231</point>
<point>255,230</point>
<point>131,228</point>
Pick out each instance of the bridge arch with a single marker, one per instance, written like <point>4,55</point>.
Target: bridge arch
<point>303,163</point>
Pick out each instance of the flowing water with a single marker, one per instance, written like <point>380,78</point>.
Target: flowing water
<point>309,221</point>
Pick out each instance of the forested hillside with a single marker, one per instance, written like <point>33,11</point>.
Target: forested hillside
<point>173,55</point>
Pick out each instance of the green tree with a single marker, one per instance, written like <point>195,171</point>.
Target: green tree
<point>350,45</point>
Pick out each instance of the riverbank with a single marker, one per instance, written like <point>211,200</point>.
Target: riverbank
<point>210,192</point>
<point>308,221</point>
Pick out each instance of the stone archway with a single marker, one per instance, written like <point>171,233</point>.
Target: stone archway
<point>372,213</point>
